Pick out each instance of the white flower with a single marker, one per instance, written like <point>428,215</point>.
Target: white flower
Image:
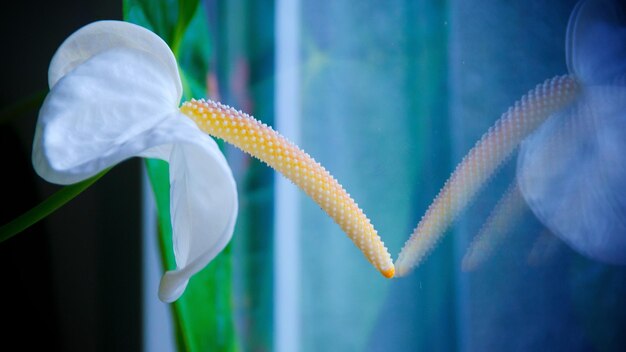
<point>114,94</point>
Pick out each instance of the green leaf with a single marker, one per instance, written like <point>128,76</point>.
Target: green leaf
<point>157,16</point>
<point>204,314</point>
<point>204,320</point>
<point>186,11</point>
<point>194,60</point>
<point>168,18</point>
<point>46,207</point>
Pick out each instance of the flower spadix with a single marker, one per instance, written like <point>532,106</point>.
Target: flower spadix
<point>262,142</point>
<point>114,94</point>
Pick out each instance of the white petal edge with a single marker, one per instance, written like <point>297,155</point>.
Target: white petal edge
<point>203,208</point>
<point>101,36</point>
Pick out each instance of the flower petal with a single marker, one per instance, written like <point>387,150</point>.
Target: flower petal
<point>203,198</point>
<point>101,36</point>
<point>114,94</point>
<point>596,42</point>
<point>93,116</point>
<point>572,174</point>
<point>203,210</point>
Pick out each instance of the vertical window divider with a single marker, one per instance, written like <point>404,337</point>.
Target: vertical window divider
<point>287,209</point>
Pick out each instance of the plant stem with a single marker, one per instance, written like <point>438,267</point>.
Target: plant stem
<point>46,207</point>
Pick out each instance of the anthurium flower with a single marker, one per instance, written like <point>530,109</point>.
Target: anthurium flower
<point>114,94</point>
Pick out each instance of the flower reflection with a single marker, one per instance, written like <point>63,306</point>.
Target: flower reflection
<point>496,229</point>
<point>571,170</point>
<point>480,164</point>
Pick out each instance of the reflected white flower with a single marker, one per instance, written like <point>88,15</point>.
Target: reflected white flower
<point>114,94</point>
<point>572,170</point>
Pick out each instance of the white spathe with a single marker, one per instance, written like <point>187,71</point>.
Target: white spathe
<point>114,94</point>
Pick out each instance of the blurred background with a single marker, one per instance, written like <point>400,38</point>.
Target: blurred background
<point>388,96</point>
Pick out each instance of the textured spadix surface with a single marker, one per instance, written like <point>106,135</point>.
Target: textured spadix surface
<point>503,217</point>
<point>264,143</point>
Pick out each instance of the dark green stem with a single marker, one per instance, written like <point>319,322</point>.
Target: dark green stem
<point>46,207</point>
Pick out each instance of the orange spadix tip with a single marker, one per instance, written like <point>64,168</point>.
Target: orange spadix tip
<point>388,273</point>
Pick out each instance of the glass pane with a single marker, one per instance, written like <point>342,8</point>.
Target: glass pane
<point>373,111</point>
<point>390,100</point>
<point>533,292</point>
